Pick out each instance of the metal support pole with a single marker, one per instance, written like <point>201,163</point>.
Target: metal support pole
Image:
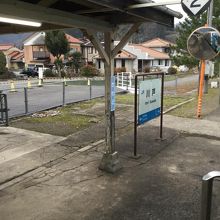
<point>209,23</point>
<point>26,100</point>
<point>210,14</point>
<point>1,101</point>
<point>90,88</point>
<point>135,118</point>
<point>219,81</point>
<point>64,93</point>
<point>176,78</point>
<point>206,198</point>
<point>161,113</point>
<point>6,112</point>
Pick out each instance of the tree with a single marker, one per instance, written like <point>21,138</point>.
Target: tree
<point>58,45</point>
<point>179,53</point>
<point>75,60</point>
<point>2,63</point>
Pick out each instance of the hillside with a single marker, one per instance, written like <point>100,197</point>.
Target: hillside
<point>147,31</point>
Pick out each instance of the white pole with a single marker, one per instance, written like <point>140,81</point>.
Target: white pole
<point>153,4</point>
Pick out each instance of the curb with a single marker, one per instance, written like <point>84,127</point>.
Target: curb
<point>178,105</point>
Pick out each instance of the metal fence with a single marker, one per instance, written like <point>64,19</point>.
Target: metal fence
<point>24,98</point>
<point>3,109</point>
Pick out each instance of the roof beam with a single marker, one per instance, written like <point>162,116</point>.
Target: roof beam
<point>125,39</point>
<point>153,4</point>
<point>22,29</point>
<point>95,10</point>
<point>47,3</point>
<point>27,11</point>
<point>153,15</point>
<point>95,41</point>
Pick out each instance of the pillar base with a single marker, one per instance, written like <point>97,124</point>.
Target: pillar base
<point>110,163</point>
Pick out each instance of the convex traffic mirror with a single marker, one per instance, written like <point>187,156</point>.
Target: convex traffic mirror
<point>204,43</point>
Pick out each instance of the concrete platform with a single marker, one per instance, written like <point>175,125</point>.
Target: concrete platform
<point>164,184</point>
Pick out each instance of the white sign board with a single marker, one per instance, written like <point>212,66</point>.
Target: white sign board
<point>149,100</point>
<point>195,7</point>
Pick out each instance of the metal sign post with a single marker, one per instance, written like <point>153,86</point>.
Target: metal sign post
<point>203,44</point>
<point>150,103</point>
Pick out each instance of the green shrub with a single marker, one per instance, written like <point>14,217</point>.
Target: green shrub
<point>172,71</point>
<point>120,69</point>
<point>89,71</point>
<point>3,69</point>
<point>7,75</point>
<point>146,69</point>
<point>49,73</point>
<point>63,74</point>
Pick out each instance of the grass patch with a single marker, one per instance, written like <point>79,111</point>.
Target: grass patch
<point>169,101</point>
<point>127,99</point>
<point>210,103</point>
<point>68,122</point>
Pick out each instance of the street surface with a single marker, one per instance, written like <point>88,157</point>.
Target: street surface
<point>51,94</point>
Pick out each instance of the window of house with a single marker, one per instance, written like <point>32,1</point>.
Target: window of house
<point>122,63</point>
<point>159,62</point>
<point>166,62</point>
<point>99,64</point>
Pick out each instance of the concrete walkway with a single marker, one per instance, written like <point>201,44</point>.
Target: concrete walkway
<point>203,127</point>
<point>65,183</point>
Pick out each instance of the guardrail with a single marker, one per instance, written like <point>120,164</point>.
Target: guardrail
<point>206,201</point>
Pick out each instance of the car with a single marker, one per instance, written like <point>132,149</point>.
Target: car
<point>29,73</point>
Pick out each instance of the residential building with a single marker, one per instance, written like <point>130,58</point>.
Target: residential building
<point>89,52</point>
<point>137,57</point>
<point>14,56</point>
<point>124,59</point>
<point>36,53</point>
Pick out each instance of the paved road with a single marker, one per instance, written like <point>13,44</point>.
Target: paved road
<point>51,94</point>
<point>182,81</point>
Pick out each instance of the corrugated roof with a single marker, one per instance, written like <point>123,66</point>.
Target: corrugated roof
<point>97,15</point>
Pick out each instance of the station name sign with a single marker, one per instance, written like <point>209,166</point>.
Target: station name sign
<point>149,100</point>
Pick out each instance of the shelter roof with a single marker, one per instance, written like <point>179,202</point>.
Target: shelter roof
<point>102,15</point>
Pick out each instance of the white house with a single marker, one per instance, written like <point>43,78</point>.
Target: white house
<point>136,57</point>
